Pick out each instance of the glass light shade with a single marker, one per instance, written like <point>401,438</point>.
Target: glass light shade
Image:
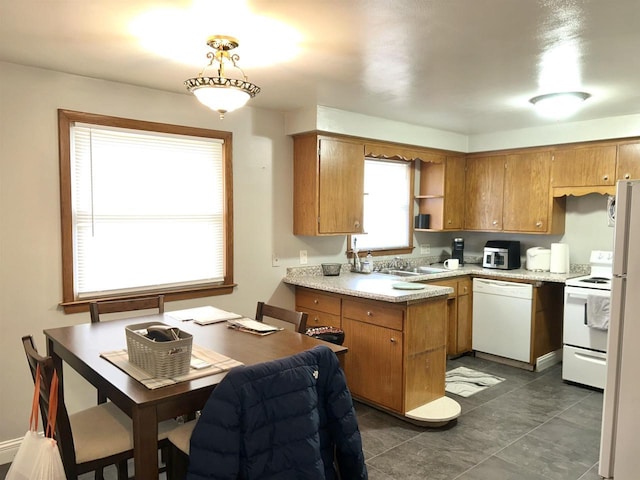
<point>559,105</point>
<point>221,98</point>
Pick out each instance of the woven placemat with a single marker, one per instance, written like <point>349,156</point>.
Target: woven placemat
<point>219,363</point>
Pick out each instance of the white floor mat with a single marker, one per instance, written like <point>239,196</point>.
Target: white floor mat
<point>465,382</point>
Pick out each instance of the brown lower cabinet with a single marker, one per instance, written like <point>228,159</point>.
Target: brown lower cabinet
<point>397,351</point>
<point>459,313</point>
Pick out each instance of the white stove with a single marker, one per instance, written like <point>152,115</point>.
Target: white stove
<point>601,272</point>
<point>586,307</point>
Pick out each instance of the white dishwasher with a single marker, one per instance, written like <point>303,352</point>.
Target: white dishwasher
<point>502,318</point>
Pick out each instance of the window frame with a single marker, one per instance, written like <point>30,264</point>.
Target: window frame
<point>398,250</point>
<point>66,118</point>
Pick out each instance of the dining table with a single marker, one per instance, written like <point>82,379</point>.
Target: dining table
<point>81,346</point>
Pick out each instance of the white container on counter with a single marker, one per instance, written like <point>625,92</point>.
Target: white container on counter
<point>559,262</point>
<point>539,259</point>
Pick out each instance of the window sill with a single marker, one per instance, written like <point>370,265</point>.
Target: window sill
<point>78,306</point>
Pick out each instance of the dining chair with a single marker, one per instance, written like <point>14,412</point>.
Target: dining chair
<point>298,319</point>
<point>127,305</point>
<point>91,439</point>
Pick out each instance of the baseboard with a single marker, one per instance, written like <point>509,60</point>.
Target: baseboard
<point>8,450</point>
<point>548,360</point>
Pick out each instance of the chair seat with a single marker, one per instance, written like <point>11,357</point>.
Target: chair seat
<point>327,333</point>
<point>181,436</point>
<point>105,430</point>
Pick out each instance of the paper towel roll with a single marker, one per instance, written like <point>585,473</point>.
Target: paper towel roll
<point>559,262</point>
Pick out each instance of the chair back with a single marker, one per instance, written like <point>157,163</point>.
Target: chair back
<point>131,304</point>
<point>62,434</point>
<point>298,319</point>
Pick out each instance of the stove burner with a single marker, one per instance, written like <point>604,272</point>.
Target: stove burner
<point>596,280</point>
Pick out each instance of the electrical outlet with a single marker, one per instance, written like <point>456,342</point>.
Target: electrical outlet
<point>303,257</point>
<point>275,260</point>
<point>425,249</point>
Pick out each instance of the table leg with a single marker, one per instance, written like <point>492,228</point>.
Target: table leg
<point>145,442</point>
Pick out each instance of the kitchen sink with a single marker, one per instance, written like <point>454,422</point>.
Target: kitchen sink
<point>413,272</point>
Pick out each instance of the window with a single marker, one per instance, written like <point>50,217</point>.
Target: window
<point>146,207</point>
<point>388,187</point>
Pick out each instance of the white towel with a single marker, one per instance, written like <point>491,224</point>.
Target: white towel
<point>598,312</point>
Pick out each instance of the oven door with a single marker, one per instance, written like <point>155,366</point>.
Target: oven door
<point>576,331</point>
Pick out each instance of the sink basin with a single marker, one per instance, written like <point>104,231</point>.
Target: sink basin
<point>426,270</point>
<point>414,272</point>
<point>402,273</point>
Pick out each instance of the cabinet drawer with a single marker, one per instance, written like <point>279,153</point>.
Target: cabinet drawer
<point>374,313</point>
<point>312,300</point>
<point>464,287</point>
<point>319,319</point>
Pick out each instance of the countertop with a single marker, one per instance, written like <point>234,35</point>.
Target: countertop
<point>378,286</point>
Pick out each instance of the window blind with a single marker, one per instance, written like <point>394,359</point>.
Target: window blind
<point>148,210</point>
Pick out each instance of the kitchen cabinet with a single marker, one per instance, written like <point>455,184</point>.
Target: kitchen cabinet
<point>580,170</point>
<point>397,351</point>
<point>628,164</point>
<point>328,189</point>
<point>323,309</point>
<point>511,193</point>
<point>458,313</point>
<point>442,191</point>
<point>484,183</point>
<point>528,204</point>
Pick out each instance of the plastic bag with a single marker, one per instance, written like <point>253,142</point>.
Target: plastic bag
<point>38,457</point>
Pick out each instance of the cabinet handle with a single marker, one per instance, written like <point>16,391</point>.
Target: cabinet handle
<point>393,340</point>
<point>316,319</point>
<point>356,224</point>
<point>605,178</point>
<point>495,222</point>
<point>315,301</point>
<point>627,176</point>
<point>369,314</point>
<point>538,224</point>
<point>448,222</point>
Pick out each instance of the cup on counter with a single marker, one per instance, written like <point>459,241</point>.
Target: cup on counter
<point>452,264</point>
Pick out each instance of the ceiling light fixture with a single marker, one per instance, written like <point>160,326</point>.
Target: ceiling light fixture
<point>559,105</point>
<point>221,93</point>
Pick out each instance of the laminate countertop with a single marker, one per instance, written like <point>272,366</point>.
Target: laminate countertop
<point>379,286</point>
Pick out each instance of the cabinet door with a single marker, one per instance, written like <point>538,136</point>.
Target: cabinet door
<point>526,192</point>
<point>484,193</point>
<point>341,186</point>
<point>628,167</point>
<point>454,193</point>
<point>373,365</point>
<point>464,336</point>
<point>581,167</point>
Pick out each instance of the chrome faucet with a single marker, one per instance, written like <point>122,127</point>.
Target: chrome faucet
<point>398,263</point>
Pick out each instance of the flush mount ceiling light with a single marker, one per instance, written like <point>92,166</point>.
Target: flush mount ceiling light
<point>559,105</point>
<point>221,93</point>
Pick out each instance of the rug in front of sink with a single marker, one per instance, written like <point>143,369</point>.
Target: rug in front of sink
<point>465,381</point>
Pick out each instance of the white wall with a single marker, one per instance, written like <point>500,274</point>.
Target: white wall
<point>30,262</point>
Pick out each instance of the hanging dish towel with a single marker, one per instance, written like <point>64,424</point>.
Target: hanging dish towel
<point>597,311</point>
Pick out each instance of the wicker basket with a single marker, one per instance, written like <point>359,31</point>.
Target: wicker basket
<point>159,359</point>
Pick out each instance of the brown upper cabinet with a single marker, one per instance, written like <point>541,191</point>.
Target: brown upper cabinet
<point>528,205</point>
<point>328,187</point>
<point>628,166</point>
<point>442,191</point>
<point>484,193</point>
<point>578,170</point>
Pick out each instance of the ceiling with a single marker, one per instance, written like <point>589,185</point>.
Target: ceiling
<point>466,66</point>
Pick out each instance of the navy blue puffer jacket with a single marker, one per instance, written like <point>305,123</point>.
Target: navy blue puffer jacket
<point>280,420</point>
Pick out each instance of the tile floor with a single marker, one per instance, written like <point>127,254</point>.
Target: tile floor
<point>532,426</point>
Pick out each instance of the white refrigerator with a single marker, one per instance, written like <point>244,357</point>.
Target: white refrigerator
<point>619,443</point>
